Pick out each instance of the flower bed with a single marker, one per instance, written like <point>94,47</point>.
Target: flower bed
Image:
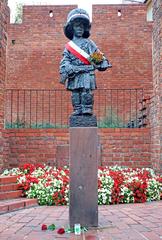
<point>116,184</point>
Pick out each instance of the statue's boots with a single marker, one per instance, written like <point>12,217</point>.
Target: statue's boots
<point>87,102</point>
<point>76,102</point>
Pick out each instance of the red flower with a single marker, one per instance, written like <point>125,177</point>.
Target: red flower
<point>28,168</point>
<point>44,227</point>
<point>159,179</point>
<point>139,191</point>
<point>61,231</point>
<point>39,165</point>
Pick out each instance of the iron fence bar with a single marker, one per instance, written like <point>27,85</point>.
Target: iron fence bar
<point>142,108</point>
<point>24,108</point>
<point>99,107</point>
<point>61,110</point>
<point>42,107</point>
<point>17,108</point>
<point>105,98</point>
<point>111,105</point>
<point>11,106</point>
<point>136,108</point>
<point>123,117</point>
<point>55,107</point>
<point>36,104</point>
<point>49,106</point>
<point>130,107</point>
<point>63,90</point>
<point>115,111</point>
<point>30,106</point>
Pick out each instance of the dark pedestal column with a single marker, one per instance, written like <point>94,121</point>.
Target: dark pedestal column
<point>83,176</point>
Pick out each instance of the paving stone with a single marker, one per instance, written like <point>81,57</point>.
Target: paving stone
<point>148,224</point>
<point>25,219</point>
<point>128,220</point>
<point>157,230</point>
<point>151,236</point>
<point>34,222</point>
<point>122,225</point>
<point>135,217</point>
<point>24,230</point>
<point>26,224</point>
<point>139,228</point>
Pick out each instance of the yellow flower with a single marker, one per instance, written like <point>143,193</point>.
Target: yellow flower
<point>96,57</point>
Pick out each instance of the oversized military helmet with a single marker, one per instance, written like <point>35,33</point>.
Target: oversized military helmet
<point>74,14</point>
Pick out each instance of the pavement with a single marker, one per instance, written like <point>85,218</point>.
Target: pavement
<point>124,221</point>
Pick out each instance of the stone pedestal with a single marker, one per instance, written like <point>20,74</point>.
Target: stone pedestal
<point>83,121</point>
<point>83,176</point>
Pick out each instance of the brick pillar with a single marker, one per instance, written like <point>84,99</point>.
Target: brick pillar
<point>156,116</point>
<point>3,43</point>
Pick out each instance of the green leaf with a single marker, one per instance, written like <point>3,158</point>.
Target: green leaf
<point>69,230</point>
<point>52,227</point>
<point>84,229</point>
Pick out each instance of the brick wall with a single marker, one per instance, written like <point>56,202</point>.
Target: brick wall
<point>3,41</point>
<point>34,145</point>
<point>35,46</point>
<point>156,110</point>
<point>34,53</point>
<point>33,59</point>
<point>51,146</point>
<point>127,40</point>
<point>125,147</point>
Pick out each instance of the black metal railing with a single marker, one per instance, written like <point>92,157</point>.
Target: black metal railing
<point>33,108</point>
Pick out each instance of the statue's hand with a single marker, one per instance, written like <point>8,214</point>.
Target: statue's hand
<point>63,78</point>
<point>103,65</point>
<point>97,66</point>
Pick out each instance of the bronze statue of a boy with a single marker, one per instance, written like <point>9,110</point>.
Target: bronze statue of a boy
<point>81,58</point>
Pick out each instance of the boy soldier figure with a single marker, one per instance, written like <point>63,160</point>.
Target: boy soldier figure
<point>81,58</point>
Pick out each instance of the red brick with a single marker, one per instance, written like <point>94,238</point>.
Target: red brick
<point>15,205</point>
<point>31,202</point>
<point>10,195</point>
<point>3,208</point>
<point>8,179</point>
<point>8,187</point>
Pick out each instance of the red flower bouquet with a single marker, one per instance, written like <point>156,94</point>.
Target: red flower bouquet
<point>44,227</point>
<point>61,231</point>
